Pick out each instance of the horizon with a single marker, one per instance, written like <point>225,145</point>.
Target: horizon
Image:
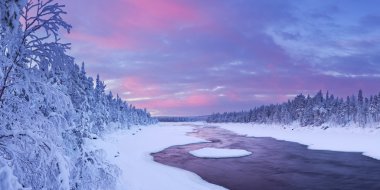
<point>194,58</point>
<point>279,103</point>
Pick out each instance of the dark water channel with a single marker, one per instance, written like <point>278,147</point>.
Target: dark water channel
<point>274,164</point>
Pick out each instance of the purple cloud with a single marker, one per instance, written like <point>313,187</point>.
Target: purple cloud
<point>179,57</point>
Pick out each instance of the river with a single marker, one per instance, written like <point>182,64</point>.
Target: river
<point>274,164</point>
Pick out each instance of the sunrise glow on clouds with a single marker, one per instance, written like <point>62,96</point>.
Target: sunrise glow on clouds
<point>182,57</point>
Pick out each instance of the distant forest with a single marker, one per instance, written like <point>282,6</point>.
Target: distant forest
<point>310,111</point>
<point>181,119</point>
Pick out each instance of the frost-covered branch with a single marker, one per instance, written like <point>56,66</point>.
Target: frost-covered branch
<point>34,41</point>
<point>42,23</point>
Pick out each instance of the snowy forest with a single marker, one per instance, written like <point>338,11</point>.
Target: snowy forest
<point>181,119</point>
<point>311,111</point>
<point>49,106</point>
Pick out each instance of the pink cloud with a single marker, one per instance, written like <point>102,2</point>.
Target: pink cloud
<point>139,87</point>
<point>173,102</point>
<point>200,100</point>
<point>156,14</point>
<point>126,23</point>
<point>99,41</point>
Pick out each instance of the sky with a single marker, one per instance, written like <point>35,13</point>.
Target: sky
<point>196,57</point>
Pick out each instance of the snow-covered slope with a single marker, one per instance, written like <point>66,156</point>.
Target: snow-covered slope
<point>349,139</point>
<point>130,150</point>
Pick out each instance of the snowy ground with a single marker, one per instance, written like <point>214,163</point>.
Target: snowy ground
<point>130,151</point>
<point>219,153</point>
<point>349,139</point>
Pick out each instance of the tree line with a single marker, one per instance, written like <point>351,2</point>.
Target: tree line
<point>180,118</point>
<point>311,111</point>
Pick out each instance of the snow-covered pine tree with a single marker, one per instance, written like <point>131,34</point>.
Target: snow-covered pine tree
<point>311,111</point>
<point>48,106</point>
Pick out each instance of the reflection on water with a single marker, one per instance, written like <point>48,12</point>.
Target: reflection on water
<point>274,164</point>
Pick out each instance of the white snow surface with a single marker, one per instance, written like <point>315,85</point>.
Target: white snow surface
<point>346,139</point>
<point>210,152</point>
<point>130,150</point>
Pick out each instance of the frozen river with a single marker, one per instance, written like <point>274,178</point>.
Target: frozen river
<point>273,164</point>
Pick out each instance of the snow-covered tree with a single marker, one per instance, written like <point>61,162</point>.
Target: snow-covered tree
<point>311,111</point>
<point>49,106</point>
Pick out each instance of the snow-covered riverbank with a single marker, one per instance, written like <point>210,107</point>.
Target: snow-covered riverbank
<point>348,139</point>
<point>130,150</point>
